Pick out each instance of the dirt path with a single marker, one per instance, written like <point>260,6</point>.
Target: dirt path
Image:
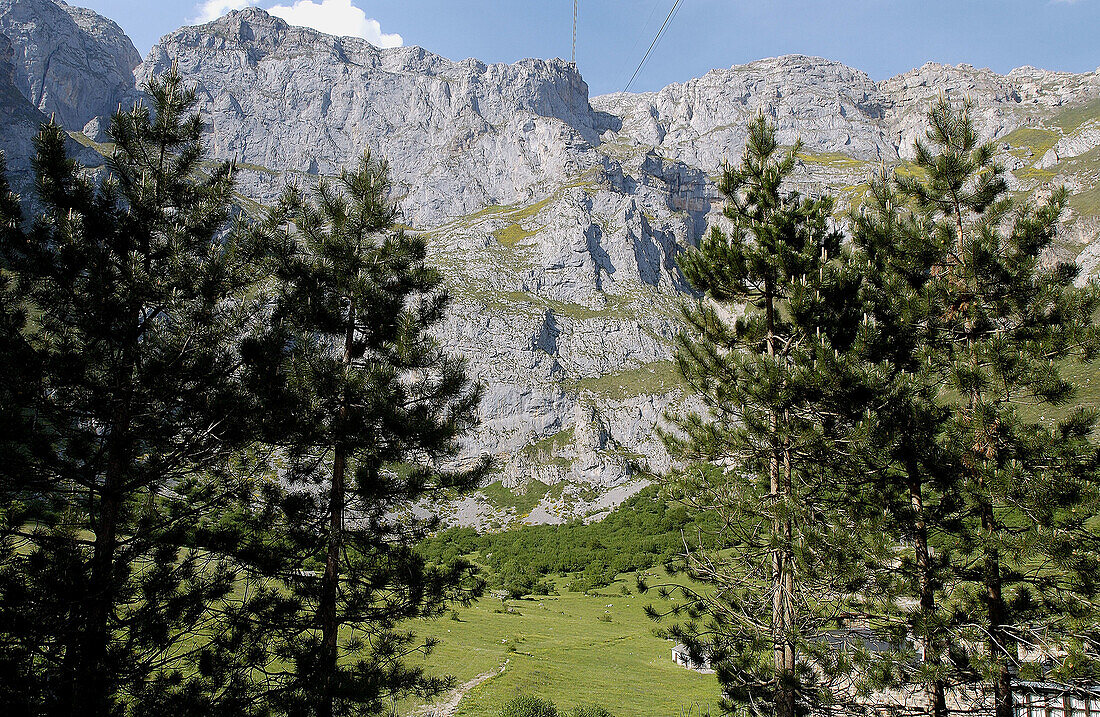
<point>447,707</point>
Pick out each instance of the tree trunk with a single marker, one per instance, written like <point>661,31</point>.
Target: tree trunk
<point>785,699</point>
<point>330,582</point>
<point>91,694</point>
<point>89,678</point>
<point>782,575</point>
<point>935,692</point>
<point>1000,642</point>
<point>959,228</point>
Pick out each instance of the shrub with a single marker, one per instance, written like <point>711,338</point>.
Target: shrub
<point>518,580</point>
<point>593,710</point>
<point>529,706</point>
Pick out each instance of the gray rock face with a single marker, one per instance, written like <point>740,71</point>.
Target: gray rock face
<point>703,121</point>
<point>69,61</point>
<point>1003,103</point>
<point>20,120</point>
<point>459,135</point>
<point>557,220</point>
<point>833,108</point>
<point>560,257</point>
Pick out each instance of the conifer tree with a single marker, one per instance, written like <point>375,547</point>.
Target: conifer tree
<point>784,562</point>
<point>1012,464</point>
<point>375,411</point>
<point>21,376</point>
<point>1008,320</point>
<point>17,389</point>
<point>132,300</point>
<point>895,442</point>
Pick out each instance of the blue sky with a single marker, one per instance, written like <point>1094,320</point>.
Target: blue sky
<point>880,37</point>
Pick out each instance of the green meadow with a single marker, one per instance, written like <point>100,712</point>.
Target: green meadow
<point>571,648</point>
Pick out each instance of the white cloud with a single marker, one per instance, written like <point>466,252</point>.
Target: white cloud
<point>213,9</point>
<point>336,17</point>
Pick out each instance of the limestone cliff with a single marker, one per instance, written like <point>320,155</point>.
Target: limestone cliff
<point>70,62</point>
<point>557,218</point>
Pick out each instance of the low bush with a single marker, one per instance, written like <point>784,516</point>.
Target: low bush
<point>529,706</point>
<point>593,710</point>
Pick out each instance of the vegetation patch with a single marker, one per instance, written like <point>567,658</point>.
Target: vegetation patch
<point>256,168</point>
<point>909,169</point>
<point>618,306</point>
<point>513,234</point>
<point>1072,118</point>
<point>565,650</point>
<point>1087,162</point>
<point>1025,139</point>
<point>651,379</point>
<point>1034,174</point>
<point>643,532</point>
<point>837,160</point>
<point>548,451</point>
<point>1087,202</point>
<point>106,149</point>
<point>853,197</point>
<point>552,443</point>
<point>522,501</point>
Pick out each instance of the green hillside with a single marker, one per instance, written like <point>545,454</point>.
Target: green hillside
<point>572,648</point>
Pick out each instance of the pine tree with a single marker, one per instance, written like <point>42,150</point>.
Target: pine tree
<point>132,301</point>
<point>17,391</point>
<point>375,414</point>
<point>894,395</point>
<point>1006,321</point>
<point>785,561</point>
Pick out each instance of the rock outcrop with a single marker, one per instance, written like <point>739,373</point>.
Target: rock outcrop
<point>560,258</point>
<point>70,62</point>
<point>20,120</point>
<point>832,107</point>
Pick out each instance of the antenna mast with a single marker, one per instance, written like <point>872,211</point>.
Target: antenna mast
<point>573,57</point>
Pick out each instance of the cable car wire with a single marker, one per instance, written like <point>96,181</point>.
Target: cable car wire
<point>656,39</point>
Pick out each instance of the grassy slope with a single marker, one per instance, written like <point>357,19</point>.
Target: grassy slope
<point>655,378</point>
<point>564,649</point>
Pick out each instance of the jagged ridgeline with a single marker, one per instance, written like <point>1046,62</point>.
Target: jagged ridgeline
<point>556,217</point>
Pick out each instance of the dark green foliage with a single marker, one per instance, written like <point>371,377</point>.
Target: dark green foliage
<point>367,412</point>
<point>968,329</point>
<point>789,554</point>
<point>643,532</point>
<point>17,357</point>
<point>1005,320</point>
<point>529,706</point>
<point>128,303</point>
<point>891,397</point>
<point>518,580</point>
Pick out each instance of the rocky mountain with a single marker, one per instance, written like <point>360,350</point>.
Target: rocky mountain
<point>20,120</point>
<point>71,62</point>
<point>557,217</point>
<point>292,99</point>
<point>560,257</point>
